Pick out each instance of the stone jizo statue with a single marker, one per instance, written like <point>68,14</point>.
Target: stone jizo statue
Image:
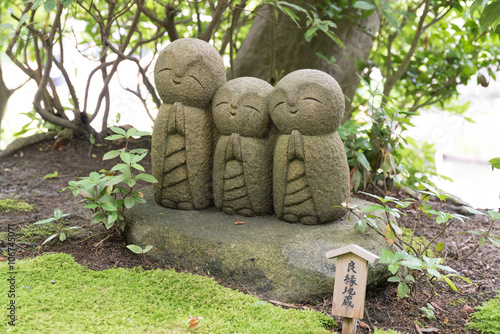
<point>187,75</point>
<point>310,170</point>
<point>243,156</point>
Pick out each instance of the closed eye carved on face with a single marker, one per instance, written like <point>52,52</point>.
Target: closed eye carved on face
<point>234,109</point>
<point>176,79</point>
<point>294,107</point>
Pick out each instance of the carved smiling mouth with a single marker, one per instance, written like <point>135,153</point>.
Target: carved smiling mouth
<point>233,112</point>
<point>294,111</point>
<point>176,82</point>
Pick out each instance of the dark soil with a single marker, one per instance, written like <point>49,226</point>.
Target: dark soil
<point>21,177</point>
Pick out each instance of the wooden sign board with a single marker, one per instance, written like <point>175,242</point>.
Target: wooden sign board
<point>350,280</point>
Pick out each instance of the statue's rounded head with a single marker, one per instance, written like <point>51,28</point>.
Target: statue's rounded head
<point>189,71</point>
<point>240,106</point>
<point>310,101</point>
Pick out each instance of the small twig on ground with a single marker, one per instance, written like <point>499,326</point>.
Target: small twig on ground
<point>100,242</point>
<point>297,307</point>
<point>93,235</point>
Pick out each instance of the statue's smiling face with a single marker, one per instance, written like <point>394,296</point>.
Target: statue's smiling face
<point>240,106</point>
<point>180,79</point>
<point>189,72</point>
<point>305,102</point>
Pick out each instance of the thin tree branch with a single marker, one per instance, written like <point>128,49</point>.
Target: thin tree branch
<point>216,20</point>
<point>45,78</point>
<point>145,79</point>
<point>391,80</point>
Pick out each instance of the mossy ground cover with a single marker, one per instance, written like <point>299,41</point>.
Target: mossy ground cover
<point>8,205</point>
<point>487,319</point>
<point>56,295</point>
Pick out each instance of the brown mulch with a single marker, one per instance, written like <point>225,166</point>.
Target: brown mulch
<point>21,177</point>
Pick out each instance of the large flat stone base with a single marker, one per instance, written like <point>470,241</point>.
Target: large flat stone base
<point>264,256</point>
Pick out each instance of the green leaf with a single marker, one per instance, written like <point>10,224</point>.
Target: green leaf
<point>138,167</point>
<point>138,151</point>
<point>136,249</point>
<point>141,133</point>
<point>23,19</point>
<point>450,283</point>
<point>111,154</point>
<point>110,221</point>
<point>360,157</point>
<point>489,16</point>
<point>394,279</point>
<point>114,137</point>
<point>126,157</point>
<point>51,176</point>
<point>58,214</point>
<point>36,4</point>
<point>373,207</point>
<point>98,217</point>
<point>440,246</point>
<point>495,163</point>
<point>146,177</point>
<point>109,207</point>
<point>147,248</point>
<point>49,238</point>
<point>402,289</point>
<point>44,221</point>
<point>364,5</point>
<point>49,5</point>
<point>474,211</point>
<point>62,236</point>
<point>310,33</point>
<point>495,241</point>
<point>392,20</point>
<point>334,38</point>
<point>118,131</point>
<point>116,179</point>
<point>129,202</point>
<point>482,241</point>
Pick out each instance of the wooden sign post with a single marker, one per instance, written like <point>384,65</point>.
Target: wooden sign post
<point>350,284</point>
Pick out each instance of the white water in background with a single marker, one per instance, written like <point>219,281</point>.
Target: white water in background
<point>463,148</point>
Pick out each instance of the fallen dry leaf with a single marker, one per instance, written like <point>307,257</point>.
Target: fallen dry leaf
<point>429,330</point>
<point>467,309</point>
<point>364,325</point>
<point>437,306</point>
<point>239,223</point>
<point>193,321</point>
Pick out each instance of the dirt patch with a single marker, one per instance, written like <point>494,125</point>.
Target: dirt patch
<point>22,177</point>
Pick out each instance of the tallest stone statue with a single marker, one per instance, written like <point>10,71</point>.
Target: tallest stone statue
<point>187,74</point>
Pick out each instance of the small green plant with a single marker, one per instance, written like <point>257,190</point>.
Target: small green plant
<point>58,215</point>
<point>428,311</point>
<point>138,249</point>
<point>413,263</point>
<point>108,193</point>
<point>486,235</point>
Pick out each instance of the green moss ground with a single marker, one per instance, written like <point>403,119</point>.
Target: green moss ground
<point>487,319</point>
<point>14,205</point>
<point>133,301</point>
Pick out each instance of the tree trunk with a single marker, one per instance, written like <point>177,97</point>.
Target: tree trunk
<point>5,94</point>
<point>265,57</point>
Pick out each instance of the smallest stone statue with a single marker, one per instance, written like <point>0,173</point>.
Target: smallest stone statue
<point>310,171</point>
<point>242,161</point>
